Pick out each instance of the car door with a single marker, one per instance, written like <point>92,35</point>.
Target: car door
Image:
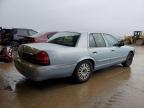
<point>98,50</point>
<point>117,52</point>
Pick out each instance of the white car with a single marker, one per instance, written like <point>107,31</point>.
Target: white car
<point>71,54</point>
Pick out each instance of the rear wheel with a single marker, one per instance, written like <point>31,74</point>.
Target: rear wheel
<point>83,71</point>
<point>129,60</point>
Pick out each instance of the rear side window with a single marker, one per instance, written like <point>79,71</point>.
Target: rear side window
<point>91,41</point>
<point>100,42</point>
<point>31,32</point>
<point>22,32</point>
<point>65,38</point>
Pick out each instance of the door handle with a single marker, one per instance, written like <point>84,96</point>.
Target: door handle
<point>94,52</point>
<point>112,50</point>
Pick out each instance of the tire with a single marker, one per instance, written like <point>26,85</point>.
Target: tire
<point>129,60</point>
<point>83,71</point>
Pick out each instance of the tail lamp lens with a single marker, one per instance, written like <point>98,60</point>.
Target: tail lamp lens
<point>42,58</point>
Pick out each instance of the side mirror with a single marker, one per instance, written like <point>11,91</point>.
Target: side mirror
<point>119,44</point>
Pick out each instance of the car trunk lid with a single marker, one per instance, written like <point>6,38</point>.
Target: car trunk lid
<point>28,52</point>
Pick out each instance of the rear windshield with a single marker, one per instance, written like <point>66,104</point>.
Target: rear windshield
<point>65,38</point>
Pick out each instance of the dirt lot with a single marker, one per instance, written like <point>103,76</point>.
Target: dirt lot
<point>114,87</point>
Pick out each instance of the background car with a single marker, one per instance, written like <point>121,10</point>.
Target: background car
<point>8,36</point>
<point>20,36</point>
<point>71,54</point>
<point>35,38</point>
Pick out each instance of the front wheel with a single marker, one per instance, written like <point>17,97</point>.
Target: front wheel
<point>129,60</point>
<point>83,71</point>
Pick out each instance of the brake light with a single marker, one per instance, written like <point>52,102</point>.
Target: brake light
<point>42,58</point>
<point>28,40</point>
<point>32,40</point>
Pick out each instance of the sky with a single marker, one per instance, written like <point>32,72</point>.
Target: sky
<point>117,17</point>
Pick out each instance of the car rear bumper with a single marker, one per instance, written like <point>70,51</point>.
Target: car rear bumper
<point>38,73</point>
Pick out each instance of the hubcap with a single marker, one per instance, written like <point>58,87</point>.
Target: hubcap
<point>84,71</point>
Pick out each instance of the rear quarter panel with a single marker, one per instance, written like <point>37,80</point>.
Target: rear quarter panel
<point>68,56</point>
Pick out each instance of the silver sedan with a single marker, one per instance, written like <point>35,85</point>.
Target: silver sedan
<point>71,54</point>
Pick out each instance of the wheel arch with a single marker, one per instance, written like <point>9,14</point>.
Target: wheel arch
<point>75,73</point>
<point>91,60</point>
<point>132,52</point>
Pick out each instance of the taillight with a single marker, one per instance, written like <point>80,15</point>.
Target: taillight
<point>42,58</point>
<point>32,40</point>
<point>27,40</point>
